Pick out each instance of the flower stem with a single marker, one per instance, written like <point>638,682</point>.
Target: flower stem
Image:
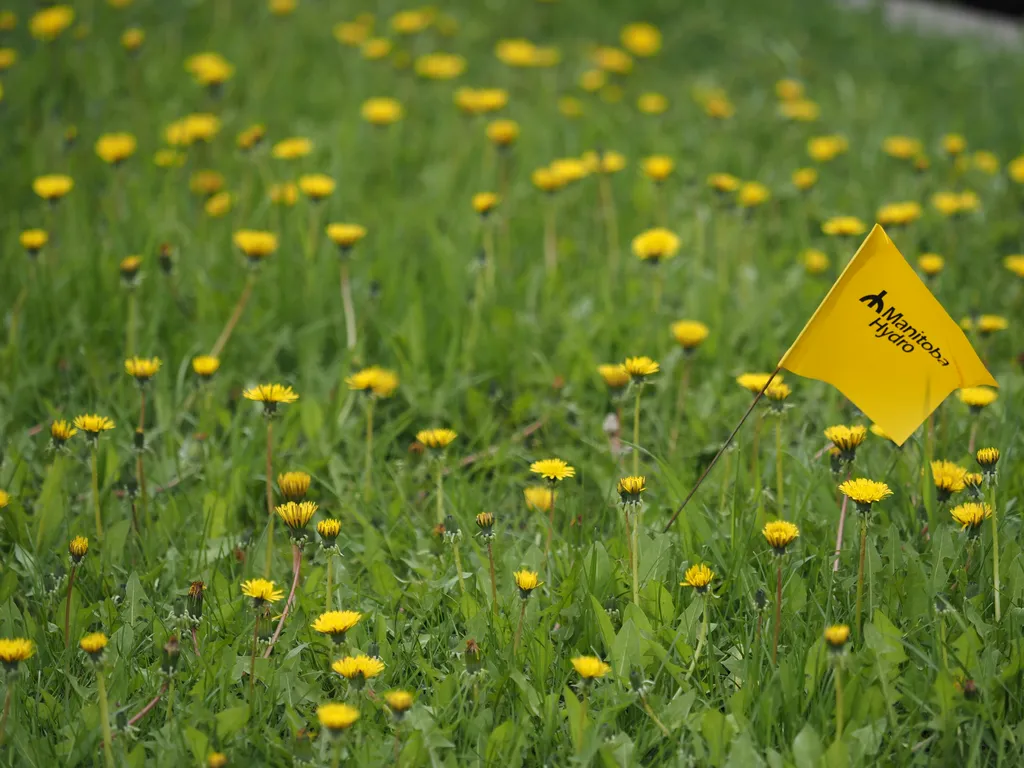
<point>635,551</point>
<point>654,717</point>
<point>778,464</point>
<point>270,499</point>
<point>336,759</point>
<point>839,703</point>
<point>458,566</point>
<point>130,325</point>
<point>440,494</point>
<point>252,662</point>
<point>755,462</point>
<point>701,638</point>
<point>942,643</point>
<point>330,576</point>
<point>610,222</point>
<point>860,571</point>
<point>140,470</point>
<point>583,719</point>
<point>550,241</point>
<point>519,628</point>
<point>101,688</point>
<point>494,584</point>
<point>995,550</point>
<point>296,566</point>
<point>236,315</point>
<point>7,711</point>
<point>368,473</point>
<point>96,488</point>
<point>67,608</point>
<point>778,613</point>
<point>636,433</point>
<point>839,530</point>
<point>348,306</point>
<point>684,381</point>
<point>170,702</point>
<point>195,643</point>
<point>489,256</point>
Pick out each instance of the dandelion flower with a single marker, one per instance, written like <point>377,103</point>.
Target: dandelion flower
<point>115,148</point>
<point>92,424</point>
<point>399,702</point>
<point>971,515</point>
<point>987,459</point>
<point>261,591</point>
<point>815,262</point>
<point>977,398</point>
<point>931,264</point>
<point>652,103</point>
<point>843,225</point>
<point>755,382</point>
<point>216,760</point>
<point>78,548</point>
<point>526,581</point>
<point>328,528</point>
<point>948,478</point>
<point>296,515</point>
<point>381,111</point>
<point>641,39</point>
<point>898,214</point>
<point>336,623</point>
<point>655,245</point>
<point>48,24</point>
<point>837,636</point>
<point>658,167</point>
<point>723,183</point>
<point>251,137</point>
<point>294,485</point>
<point>142,369</point>
<point>33,240</point>
<point>336,717</point>
<point>539,497</point>
<point>552,470</point>
<point>15,650</point>
<point>825,148</point>
<point>631,489</point>
<point>639,368</point>
<point>804,178</point>
<point>374,380</point>
<point>752,194</point>
<point>316,186</point>
<point>52,187</point>
<point>93,644</point>
<point>358,669</point>
<point>204,366</point>
<point>60,432</point>
<point>901,147</point>
<point>615,375</point>
<point>864,492</point>
<point>292,148</point>
<point>590,667</point>
<point>440,66</point>
<point>780,534</point>
<point>438,439</point>
<point>503,133</point>
<point>846,439</point>
<point>699,577</point>
<point>485,202</point>
<point>271,395</point>
<point>257,245</point>
<point>485,522</point>
<point>988,324</point>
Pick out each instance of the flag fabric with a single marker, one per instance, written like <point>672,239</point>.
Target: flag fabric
<point>882,339</point>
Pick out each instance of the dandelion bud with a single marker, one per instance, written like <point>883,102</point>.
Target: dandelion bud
<point>194,601</point>
<point>170,656</point>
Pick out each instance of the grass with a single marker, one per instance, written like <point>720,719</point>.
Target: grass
<point>512,368</point>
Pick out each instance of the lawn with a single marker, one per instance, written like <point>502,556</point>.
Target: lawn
<point>460,241</point>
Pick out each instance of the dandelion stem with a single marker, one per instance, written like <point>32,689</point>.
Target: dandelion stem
<point>519,628</point>
<point>839,703</point>
<point>96,487</point>
<point>368,474</point>
<point>252,661</point>
<point>336,759</point>
<point>296,566</point>
<point>348,306</point>
<point>778,464</point>
<point>458,566</point>
<point>7,711</point>
<point>440,493</point>
<point>610,222</point>
<point>583,720</point>
<point>654,717</point>
<point>973,438</point>
<point>170,702</point>
<point>195,643</point>
<point>636,432</point>
<point>140,470</point>
<point>550,241</point>
<point>684,381</point>
<point>778,613</point>
<point>101,689</point>
<point>995,549</point>
<point>637,510</point>
<point>860,570</point>
<point>701,638</point>
<point>839,530</point>
<point>236,315</point>
<point>270,499</point>
<point>755,461</point>
<point>942,643</point>
<point>494,583</point>
<point>145,710</point>
<point>489,256</point>
<point>130,325</point>
<point>330,578</point>
<point>550,531</point>
<point>67,608</point>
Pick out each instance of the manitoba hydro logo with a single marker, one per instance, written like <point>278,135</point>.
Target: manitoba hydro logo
<point>892,326</point>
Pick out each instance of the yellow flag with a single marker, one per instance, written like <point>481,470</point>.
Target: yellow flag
<point>885,342</point>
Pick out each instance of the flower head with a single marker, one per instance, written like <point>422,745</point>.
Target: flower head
<point>987,458</point>
<point>270,395</point>
<point>526,581</point>
<point>216,760</point>
<point>846,439</point>
<point>590,667</point>
<point>651,103</point>
<point>251,137</point>
<point>61,432</point>
<point>142,369</point>
<point>1015,263</point>
<point>948,478</point>
<point>539,497</point>
<point>864,492</point>
<point>503,133</point>
<point>92,425</point>
<point>194,601</point>
<point>210,69</point>
<point>641,39</point>
<point>440,66</point>
<point>837,636</point>
<point>723,183</point>
<point>988,324</point>
<point>658,167</point>
<point>631,489</point>
<point>345,235</point>
<point>438,439</point>
<point>115,148</point>
<point>977,398</point>
<point>901,147</point>
<point>639,368</point>
<point>755,382</point>
<point>815,262</point>
<point>93,644</point>
<point>971,515</point>
<point>15,650</point>
<point>358,669</point>
<point>336,717</point>
<point>381,111</point>
<point>615,375</point>
<point>552,470</point>
<point>825,148</point>
<point>898,214</point>
<point>292,148</point>
<point>293,485</point>
<point>33,240</point>
<point>47,24</point>
<point>374,380</point>
<point>931,264</point>
<point>399,702</point>
<point>129,268</point>
<point>296,515</point>
<point>973,482</point>
<point>752,194</point>
<point>255,244</point>
<point>805,178</point>
<point>328,528</point>
<point>485,202</point>
<point>699,577</point>
<point>955,203</point>
<point>776,392</point>
<point>52,187</point>
<point>780,534</point>
<point>261,591</point>
<point>655,245</point>
<point>485,522</point>
<point>336,623</point>
<point>316,186</point>
<point>843,225</point>
<point>204,366</point>
<point>78,548</point>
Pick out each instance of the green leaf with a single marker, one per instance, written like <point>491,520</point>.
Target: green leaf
<point>499,741</point>
<point>627,649</point>
<point>807,749</point>
<point>882,637</point>
<point>232,720</point>
<point>717,732</point>
<point>134,599</point>
<point>49,505</point>
<point>604,623</point>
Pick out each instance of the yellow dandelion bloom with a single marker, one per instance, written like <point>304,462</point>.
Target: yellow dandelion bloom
<point>336,717</point>
<point>502,133</point>
<point>805,178</point>
<point>270,394</point>
<point>14,650</point>
<point>898,214</point>
<point>971,515</point>
<point>142,368</point>
<point>552,470</point>
<point>485,202</point>
<point>205,366</point>
<point>631,488</point>
<point>689,334</point>
<point>931,264</point>
<point>954,143</point>
<point>948,478</point>
<point>641,39</point>
<point>336,623</point>
<point>864,492</point>
<point>977,397</point>
<point>261,591</point>
<point>33,240</point>
<point>292,148</point>
<point>316,186</point>
<point>640,368</point>
<point>1015,264</point>
<point>652,103</point>
<point>698,576</point>
<point>987,458</point>
<point>755,382</point>
<point>115,148</point>
<point>358,668</point>
<point>93,424</point>
<point>752,194</point>
<point>780,534</point>
<point>440,66</point>
<point>61,431</point>
<point>436,438</point>
<point>248,139</point>
<point>825,148</point>
<point>657,167</point>
<point>93,643</point>
<point>843,225</point>
<point>788,89</point>
<point>329,528</point>
<point>345,235</point>
<point>48,24</point>
<point>373,380</point>
<point>590,667</point>
<point>381,111</point>
<point>398,701</point>
<point>723,182</point>
<point>526,581</point>
<point>902,147</point>
<point>296,515</point>
<point>655,245</point>
<point>837,636</point>
<point>539,497</point>
<point>255,244</point>
<point>815,262</point>
<point>78,548</point>
<point>52,187</point>
<point>615,375</point>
